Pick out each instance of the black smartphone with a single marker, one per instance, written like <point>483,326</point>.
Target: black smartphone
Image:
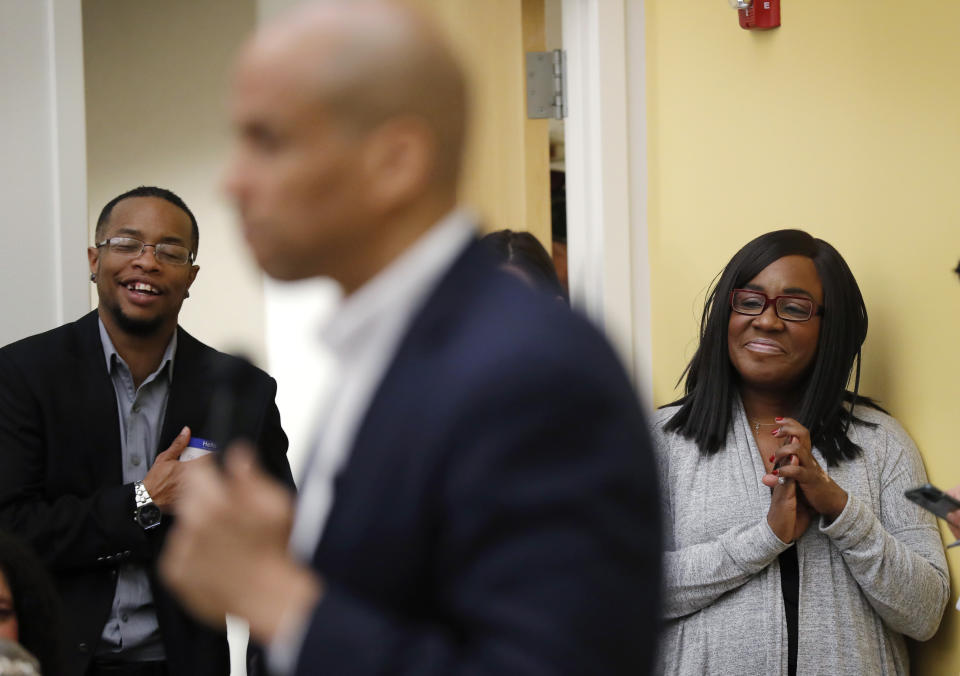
<point>933,500</point>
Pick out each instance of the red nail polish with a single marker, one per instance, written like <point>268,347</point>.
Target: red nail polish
<point>778,419</point>
<point>775,432</point>
<point>772,458</point>
<point>776,471</point>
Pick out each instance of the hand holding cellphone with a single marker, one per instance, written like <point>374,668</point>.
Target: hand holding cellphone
<point>933,500</point>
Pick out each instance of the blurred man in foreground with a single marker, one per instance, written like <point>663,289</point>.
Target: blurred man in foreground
<point>481,499</point>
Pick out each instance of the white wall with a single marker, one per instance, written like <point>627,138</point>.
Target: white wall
<point>157,77</point>
<point>42,166</point>
<point>293,314</point>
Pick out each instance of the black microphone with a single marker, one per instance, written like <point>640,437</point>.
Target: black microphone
<point>233,411</point>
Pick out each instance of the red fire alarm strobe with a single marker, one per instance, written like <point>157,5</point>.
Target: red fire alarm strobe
<point>759,14</point>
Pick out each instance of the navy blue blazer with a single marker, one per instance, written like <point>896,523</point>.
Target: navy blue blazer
<point>498,513</point>
<point>61,480</point>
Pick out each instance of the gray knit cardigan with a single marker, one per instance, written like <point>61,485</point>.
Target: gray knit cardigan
<point>877,573</point>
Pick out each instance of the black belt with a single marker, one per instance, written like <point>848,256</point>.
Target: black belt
<point>102,668</point>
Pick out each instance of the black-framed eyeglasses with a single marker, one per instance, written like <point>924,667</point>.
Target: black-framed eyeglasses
<point>789,308</point>
<point>164,252</point>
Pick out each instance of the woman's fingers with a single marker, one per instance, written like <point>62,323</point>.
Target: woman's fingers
<point>784,453</point>
<point>815,485</point>
<point>792,471</point>
<point>793,434</point>
<point>791,464</point>
<point>788,427</point>
<point>797,442</point>
<point>783,513</point>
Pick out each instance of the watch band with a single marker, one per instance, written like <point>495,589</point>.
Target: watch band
<point>146,514</point>
<point>141,495</point>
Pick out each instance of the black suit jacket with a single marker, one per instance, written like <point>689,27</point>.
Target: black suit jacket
<point>61,486</point>
<point>498,513</point>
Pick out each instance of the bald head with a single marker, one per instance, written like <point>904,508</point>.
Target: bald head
<point>368,62</point>
<point>350,120</point>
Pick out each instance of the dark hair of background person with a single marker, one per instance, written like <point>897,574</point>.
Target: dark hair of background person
<point>524,252</point>
<point>35,602</point>
<point>150,191</point>
<point>711,380</point>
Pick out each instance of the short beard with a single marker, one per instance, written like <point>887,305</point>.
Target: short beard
<point>141,328</point>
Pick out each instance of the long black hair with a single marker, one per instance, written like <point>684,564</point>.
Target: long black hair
<point>35,603</point>
<point>711,381</point>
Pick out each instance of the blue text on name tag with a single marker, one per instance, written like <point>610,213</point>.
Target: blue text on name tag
<point>203,444</point>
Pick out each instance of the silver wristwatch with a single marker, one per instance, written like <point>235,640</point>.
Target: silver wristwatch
<point>146,514</point>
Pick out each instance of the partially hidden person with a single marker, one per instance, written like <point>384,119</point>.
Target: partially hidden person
<point>521,254</point>
<point>30,613</point>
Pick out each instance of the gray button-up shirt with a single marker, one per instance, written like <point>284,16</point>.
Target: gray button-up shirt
<point>132,627</point>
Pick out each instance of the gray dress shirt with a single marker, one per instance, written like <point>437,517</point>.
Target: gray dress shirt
<point>132,632</point>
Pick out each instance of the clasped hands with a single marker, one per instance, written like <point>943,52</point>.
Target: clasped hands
<point>807,488</point>
<point>227,552</point>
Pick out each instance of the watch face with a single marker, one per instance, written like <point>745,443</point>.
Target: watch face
<point>149,515</point>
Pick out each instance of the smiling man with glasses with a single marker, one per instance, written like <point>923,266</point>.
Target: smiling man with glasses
<point>94,417</point>
<point>142,264</point>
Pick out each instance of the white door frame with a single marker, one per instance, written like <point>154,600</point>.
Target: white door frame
<point>69,128</point>
<point>43,164</point>
<point>606,174</point>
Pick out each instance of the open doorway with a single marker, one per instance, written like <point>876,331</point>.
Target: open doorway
<point>553,24</point>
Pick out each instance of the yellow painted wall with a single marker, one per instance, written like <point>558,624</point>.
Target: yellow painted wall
<point>844,122</point>
<point>507,167</point>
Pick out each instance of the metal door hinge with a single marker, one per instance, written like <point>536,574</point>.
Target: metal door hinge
<point>547,84</point>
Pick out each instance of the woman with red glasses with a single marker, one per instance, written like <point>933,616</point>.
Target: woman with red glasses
<point>790,546</point>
